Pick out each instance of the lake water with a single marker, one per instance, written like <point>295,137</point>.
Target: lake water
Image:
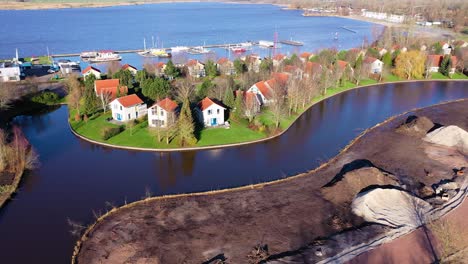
<point>77,177</point>
<point>182,24</point>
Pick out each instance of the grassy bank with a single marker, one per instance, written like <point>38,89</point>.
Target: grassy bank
<point>6,191</point>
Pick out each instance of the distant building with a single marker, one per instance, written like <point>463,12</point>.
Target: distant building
<point>162,112</point>
<point>111,87</point>
<point>251,102</point>
<point>91,70</point>
<point>226,67</point>
<point>253,63</point>
<point>196,69</point>
<point>127,108</point>
<point>375,65</point>
<point>9,72</point>
<point>278,59</point>
<point>212,112</point>
<point>159,69</point>
<point>433,63</point>
<point>131,68</point>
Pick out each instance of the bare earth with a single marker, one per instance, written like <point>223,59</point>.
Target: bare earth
<point>284,216</point>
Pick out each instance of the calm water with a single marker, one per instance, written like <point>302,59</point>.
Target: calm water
<point>77,177</point>
<point>187,24</point>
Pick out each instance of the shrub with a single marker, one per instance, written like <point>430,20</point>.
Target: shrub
<point>85,118</point>
<point>47,98</point>
<point>108,132</point>
<point>77,117</point>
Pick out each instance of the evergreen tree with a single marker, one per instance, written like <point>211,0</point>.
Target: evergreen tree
<point>204,88</point>
<point>445,65</point>
<point>125,77</point>
<point>266,66</point>
<point>359,61</point>
<point>211,69</point>
<point>387,60</point>
<point>171,71</point>
<point>240,66</point>
<point>239,104</point>
<point>229,99</point>
<point>156,88</point>
<point>185,125</point>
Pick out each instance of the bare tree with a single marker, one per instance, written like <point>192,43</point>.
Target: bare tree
<point>7,95</point>
<point>278,103</point>
<point>105,100</point>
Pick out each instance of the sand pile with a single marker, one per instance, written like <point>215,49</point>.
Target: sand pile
<point>390,207</point>
<point>415,126</point>
<point>450,136</point>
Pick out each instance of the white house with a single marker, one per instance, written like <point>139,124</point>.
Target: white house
<point>91,70</point>
<point>161,113</point>
<point>196,68</point>
<point>212,112</point>
<point>128,108</point>
<point>129,67</point>
<point>263,90</point>
<point>9,73</point>
<point>433,63</point>
<point>376,65</point>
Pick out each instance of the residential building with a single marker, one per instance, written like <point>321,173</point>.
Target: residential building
<point>433,63</point>
<point>196,68</point>
<point>278,59</point>
<point>313,70</point>
<point>162,113</point>
<point>212,112</point>
<point>131,68</point>
<point>91,70</point>
<point>127,108</point>
<point>252,102</point>
<point>375,65</point>
<point>294,71</point>
<point>9,72</point>
<point>264,92</point>
<point>226,67</point>
<point>305,56</point>
<point>110,87</point>
<point>159,69</point>
<point>253,63</point>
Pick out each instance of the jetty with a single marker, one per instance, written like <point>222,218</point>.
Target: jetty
<point>292,42</point>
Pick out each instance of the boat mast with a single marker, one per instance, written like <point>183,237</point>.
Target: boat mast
<point>144,44</point>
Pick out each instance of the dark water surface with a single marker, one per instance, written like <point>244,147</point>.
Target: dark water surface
<point>77,177</point>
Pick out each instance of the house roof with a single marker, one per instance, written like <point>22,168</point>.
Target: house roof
<point>313,67</point>
<point>434,60</point>
<point>207,102</point>
<point>249,97</point>
<point>109,87</point>
<point>87,69</point>
<point>192,63</point>
<point>306,55</point>
<point>126,66</point>
<point>129,100</point>
<point>160,64</point>
<point>279,57</point>
<point>167,104</point>
<point>290,68</point>
<point>263,88</point>
<point>341,64</point>
<point>281,77</point>
<point>369,60</point>
<point>223,60</point>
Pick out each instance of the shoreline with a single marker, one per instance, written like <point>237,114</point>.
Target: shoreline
<point>172,200</point>
<point>246,142</point>
<point>5,197</point>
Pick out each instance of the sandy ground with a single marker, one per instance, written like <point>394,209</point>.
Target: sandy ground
<point>284,216</point>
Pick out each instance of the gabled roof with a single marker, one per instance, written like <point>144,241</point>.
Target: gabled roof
<point>109,87</point>
<point>263,88</point>
<point>192,63</point>
<point>434,60</point>
<point>306,55</point>
<point>279,57</point>
<point>167,104</point>
<point>160,65</point>
<point>223,60</point>
<point>280,77</point>
<point>126,66</point>
<point>87,69</point>
<point>207,102</point>
<point>369,60</point>
<point>129,100</point>
<point>313,67</point>
<point>341,64</point>
<point>290,68</point>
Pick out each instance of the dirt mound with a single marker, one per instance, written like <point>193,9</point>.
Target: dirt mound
<point>391,207</point>
<point>343,187</point>
<point>450,136</point>
<point>415,126</point>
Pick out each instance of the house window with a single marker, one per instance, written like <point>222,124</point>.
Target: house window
<point>209,112</point>
<point>217,111</point>
<point>128,116</point>
<point>120,108</point>
<point>154,111</point>
<point>136,114</point>
<point>162,113</point>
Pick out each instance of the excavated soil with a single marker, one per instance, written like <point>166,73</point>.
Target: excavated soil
<point>284,216</point>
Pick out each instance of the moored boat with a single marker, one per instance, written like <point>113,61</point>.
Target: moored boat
<point>105,56</point>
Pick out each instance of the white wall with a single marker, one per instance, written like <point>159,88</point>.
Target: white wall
<point>95,73</point>
<point>214,111</point>
<point>160,114</point>
<point>10,74</point>
<point>127,114</point>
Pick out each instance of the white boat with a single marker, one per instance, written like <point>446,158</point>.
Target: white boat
<point>179,49</point>
<point>198,50</point>
<point>87,55</point>
<point>105,56</point>
<point>266,44</point>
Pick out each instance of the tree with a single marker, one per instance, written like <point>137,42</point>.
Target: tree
<point>156,88</point>
<point>211,69</point>
<point>266,66</point>
<point>105,100</point>
<point>125,77</point>
<point>278,105</point>
<point>410,64</point>
<point>141,76</point>
<point>74,95</point>
<point>239,107</point>
<point>7,95</point>
<point>240,66</point>
<point>445,65</point>
<point>229,99</point>
<point>89,100</point>
<point>185,124</point>
<point>387,60</point>
<point>204,88</point>
<point>113,67</point>
<point>171,71</point>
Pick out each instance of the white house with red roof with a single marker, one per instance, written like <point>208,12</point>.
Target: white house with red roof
<point>110,87</point>
<point>91,70</point>
<point>263,90</point>
<point>130,68</point>
<point>251,102</point>
<point>278,59</point>
<point>127,108</point>
<point>433,63</point>
<point>162,113</point>
<point>212,112</point>
<point>196,68</point>
<point>375,65</point>
<point>160,67</point>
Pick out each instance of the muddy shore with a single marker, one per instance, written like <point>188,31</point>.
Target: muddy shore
<point>285,215</point>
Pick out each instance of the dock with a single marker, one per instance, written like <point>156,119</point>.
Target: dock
<point>292,42</point>
<point>348,29</point>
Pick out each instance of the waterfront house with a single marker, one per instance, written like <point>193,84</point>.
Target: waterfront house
<point>433,63</point>
<point>342,66</point>
<point>9,72</point>
<point>91,70</point>
<point>294,71</point>
<point>253,63</point>
<point>225,67</point>
<point>264,92</point>
<point>212,112</point>
<point>162,113</point>
<point>375,65</point>
<point>313,70</point>
<point>196,68</point>
<point>130,68</point>
<point>251,102</point>
<point>109,87</point>
<point>127,108</point>
<point>160,67</point>
<point>278,59</point>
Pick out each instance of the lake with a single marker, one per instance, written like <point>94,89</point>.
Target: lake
<point>180,24</point>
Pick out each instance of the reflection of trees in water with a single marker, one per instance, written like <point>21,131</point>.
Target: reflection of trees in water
<point>39,121</point>
<point>172,164</point>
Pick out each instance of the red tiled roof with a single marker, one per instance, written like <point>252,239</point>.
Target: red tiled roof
<point>129,100</point>
<point>369,60</point>
<point>205,103</point>
<point>87,69</point>
<point>313,67</point>
<point>290,68</point>
<point>306,55</point>
<point>192,63</point>
<point>279,57</point>
<point>126,66</point>
<point>160,64</point>
<point>109,86</point>
<point>250,99</point>
<point>342,64</point>
<point>167,104</point>
<point>434,60</point>
<point>223,60</point>
<point>281,77</point>
<point>263,88</point>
